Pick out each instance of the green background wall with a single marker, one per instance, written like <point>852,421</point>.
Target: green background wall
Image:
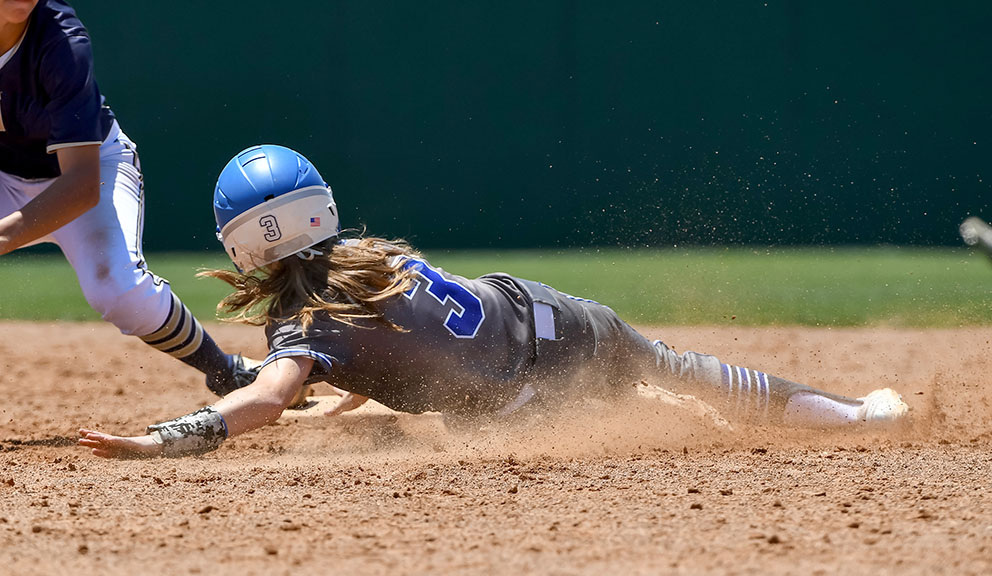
<point>553,123</point>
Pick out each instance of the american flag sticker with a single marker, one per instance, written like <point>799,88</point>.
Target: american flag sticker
<point>315,221</point>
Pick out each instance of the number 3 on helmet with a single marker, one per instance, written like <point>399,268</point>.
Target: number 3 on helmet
<point>270,203</point>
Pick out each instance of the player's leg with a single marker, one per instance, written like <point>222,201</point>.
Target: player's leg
<point>104,248</point>
<point>738,392</point>
<point>755,395</point>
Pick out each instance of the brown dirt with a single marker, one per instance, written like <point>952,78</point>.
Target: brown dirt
<point>633,491</point>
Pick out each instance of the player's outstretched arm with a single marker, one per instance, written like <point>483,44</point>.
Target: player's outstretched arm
<point>253,406</point>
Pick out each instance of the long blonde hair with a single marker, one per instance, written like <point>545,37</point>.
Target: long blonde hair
<point>347,282</point>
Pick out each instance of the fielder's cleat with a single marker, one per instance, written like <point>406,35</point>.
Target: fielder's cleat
<point>882,406</point>
<point>242,373</point>
<point>975,232</point>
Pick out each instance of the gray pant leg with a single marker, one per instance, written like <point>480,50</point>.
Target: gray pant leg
<point>595,353</point>
<point>743,392</point>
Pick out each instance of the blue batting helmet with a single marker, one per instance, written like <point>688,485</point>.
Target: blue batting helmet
<point>270,202</point>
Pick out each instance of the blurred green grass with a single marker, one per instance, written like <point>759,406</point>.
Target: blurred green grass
<point>894,286</point>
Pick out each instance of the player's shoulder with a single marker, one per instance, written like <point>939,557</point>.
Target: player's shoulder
<point>421,265</point>
<point>57,47</point>
<point>54,25</point>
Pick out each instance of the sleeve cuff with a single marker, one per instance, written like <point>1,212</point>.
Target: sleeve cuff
<point>325,360</point>
<point>52,148</point>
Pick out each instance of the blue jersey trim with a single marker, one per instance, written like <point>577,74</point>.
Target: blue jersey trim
<point>57,147</point>
<point>227,433</point>
<point>325,360</point>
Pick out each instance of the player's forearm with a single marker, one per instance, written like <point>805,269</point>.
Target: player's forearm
<point>206,429</point>
<point>193,434</point>
<point>202,431</point>
<point>68,197</point>
<point>252,407</point>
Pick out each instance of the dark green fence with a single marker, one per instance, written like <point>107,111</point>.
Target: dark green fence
<point>553,123</point>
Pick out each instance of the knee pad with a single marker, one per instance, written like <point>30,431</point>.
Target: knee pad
<point>688,365</point>
<point>701,366</point>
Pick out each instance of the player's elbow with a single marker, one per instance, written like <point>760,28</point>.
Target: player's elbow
<point>271,403</point>
<point>269,412</point>
<point>88,188</point>
<point>249,413</point>
<point>80,166</point>
<point>83,184</point>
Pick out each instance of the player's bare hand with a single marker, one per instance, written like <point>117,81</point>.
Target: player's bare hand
<point>110,446</point>
<point>349,401</point>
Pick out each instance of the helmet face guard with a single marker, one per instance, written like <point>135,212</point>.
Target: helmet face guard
<point>271,203</point>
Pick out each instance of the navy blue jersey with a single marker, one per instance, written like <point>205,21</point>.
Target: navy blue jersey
<point>48,94</point>
<point>464,346</point>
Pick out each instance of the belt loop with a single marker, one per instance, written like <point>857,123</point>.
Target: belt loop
<point>544,321</point>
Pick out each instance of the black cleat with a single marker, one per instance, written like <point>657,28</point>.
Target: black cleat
<point>242,373</point>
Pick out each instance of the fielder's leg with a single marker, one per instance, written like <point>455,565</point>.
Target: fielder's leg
<point>104,248</point>
<point>754,395</point>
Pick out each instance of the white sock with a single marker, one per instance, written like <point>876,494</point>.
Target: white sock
<point>806,409</point>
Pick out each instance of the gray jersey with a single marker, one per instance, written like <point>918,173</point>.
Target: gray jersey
<point>464,347</point>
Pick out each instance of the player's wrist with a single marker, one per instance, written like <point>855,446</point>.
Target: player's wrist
<point>12,231</point>
<point>190,435</point>
<point>153,445</point>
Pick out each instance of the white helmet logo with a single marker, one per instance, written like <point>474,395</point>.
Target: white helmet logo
<point>272,232</point>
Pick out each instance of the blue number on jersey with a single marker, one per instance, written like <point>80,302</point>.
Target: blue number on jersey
<point>464,323</point>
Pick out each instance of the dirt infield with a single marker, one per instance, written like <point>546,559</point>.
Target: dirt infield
<point>635,490</point>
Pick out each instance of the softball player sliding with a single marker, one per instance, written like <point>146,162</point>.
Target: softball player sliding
<point>375,319</point>
<point>70,176</point>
